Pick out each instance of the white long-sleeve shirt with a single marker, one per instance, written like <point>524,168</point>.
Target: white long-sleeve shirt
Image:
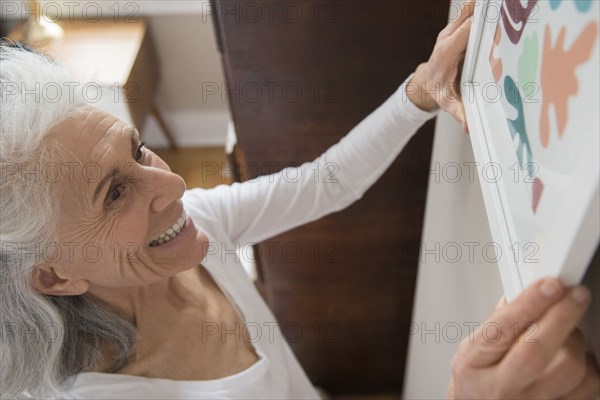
<point>250,212</point>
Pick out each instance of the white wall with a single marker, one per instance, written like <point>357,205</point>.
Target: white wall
<point>458,284</point>
<point>189,62</point>
<point>454,291</point>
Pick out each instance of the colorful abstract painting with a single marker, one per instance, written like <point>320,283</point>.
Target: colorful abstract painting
<point>535,59</point>
<point>531,81</point>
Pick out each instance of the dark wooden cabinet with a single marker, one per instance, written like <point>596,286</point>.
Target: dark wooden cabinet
<point>300,75</point>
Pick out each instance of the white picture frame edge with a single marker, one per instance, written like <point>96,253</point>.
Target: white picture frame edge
<point>583,244</point>
<point>511,281</point>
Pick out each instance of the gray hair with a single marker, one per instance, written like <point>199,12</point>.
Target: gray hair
<point>44,339</point>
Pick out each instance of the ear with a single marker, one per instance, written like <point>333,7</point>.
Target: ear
<point>47,280</point>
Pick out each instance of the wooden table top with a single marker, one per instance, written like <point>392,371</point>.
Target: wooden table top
<point>101,51</point>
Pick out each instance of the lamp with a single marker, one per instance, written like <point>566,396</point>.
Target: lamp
<point>39,27</point>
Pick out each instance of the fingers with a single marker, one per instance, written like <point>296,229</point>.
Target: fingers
<point>445,62</point>
<point>452,51</point>
<point>450,100</point>
<point>533,352</point>
<point>457,110</point>
<point>501,303</point>
<point>460,38</point>
<point>565,373</point>
<point>465,13</point>
<point>590,386</point>
<point>494,338</point>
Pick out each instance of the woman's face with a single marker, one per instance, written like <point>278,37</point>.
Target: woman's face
<point>109,226</point>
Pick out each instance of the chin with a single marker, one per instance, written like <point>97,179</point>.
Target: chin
<point>195,253</point>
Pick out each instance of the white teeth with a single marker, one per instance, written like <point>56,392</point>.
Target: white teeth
<point>171,232</point>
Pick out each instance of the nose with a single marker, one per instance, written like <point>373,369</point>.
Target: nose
<point>165,188</point>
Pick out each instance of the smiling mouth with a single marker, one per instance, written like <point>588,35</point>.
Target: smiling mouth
<point>170,233</point>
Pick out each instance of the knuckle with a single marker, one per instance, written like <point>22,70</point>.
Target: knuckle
<point>531,358</point>
<point>523,312</point>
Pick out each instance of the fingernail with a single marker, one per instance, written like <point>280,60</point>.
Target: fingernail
<point>581,295</point>
<point>549,288</point>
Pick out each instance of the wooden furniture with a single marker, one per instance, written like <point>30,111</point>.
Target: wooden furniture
<point>118,57</point>
<point>300,77</point>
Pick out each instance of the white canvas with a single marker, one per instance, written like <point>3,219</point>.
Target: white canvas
<point>531,91</point>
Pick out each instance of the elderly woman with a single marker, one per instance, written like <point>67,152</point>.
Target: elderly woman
<point>108,288</point>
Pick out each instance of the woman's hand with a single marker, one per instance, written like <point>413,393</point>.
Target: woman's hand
<point>505,359</point>
<point>437,82</point>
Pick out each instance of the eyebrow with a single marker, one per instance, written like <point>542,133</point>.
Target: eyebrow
<point>114,170</point>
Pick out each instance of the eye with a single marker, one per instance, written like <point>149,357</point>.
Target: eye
<point>139,152</point>
<point>115,193</point>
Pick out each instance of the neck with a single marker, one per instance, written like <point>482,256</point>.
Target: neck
<point>174,294</point>
<point>175,302</point>
<point>169,315</point>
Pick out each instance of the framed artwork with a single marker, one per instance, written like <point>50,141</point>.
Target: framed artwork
<point>530,86</point>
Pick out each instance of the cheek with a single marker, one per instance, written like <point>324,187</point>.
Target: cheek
<point>128,235</point>
<point>188,256</point>
<point>104,242</point>
<point>118,231</point>
<point>131,226</point>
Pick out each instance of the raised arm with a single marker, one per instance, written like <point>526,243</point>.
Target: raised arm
<point>255,210</point>
<point>272,204</point>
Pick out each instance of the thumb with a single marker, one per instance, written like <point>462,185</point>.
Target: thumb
<point>494,338</point>
<point>457,110</point>
<point>501,303</point>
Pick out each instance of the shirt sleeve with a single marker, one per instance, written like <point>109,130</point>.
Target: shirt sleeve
<point>268,205</point>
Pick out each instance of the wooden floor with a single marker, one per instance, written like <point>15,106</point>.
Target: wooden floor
<point>199,166</point>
